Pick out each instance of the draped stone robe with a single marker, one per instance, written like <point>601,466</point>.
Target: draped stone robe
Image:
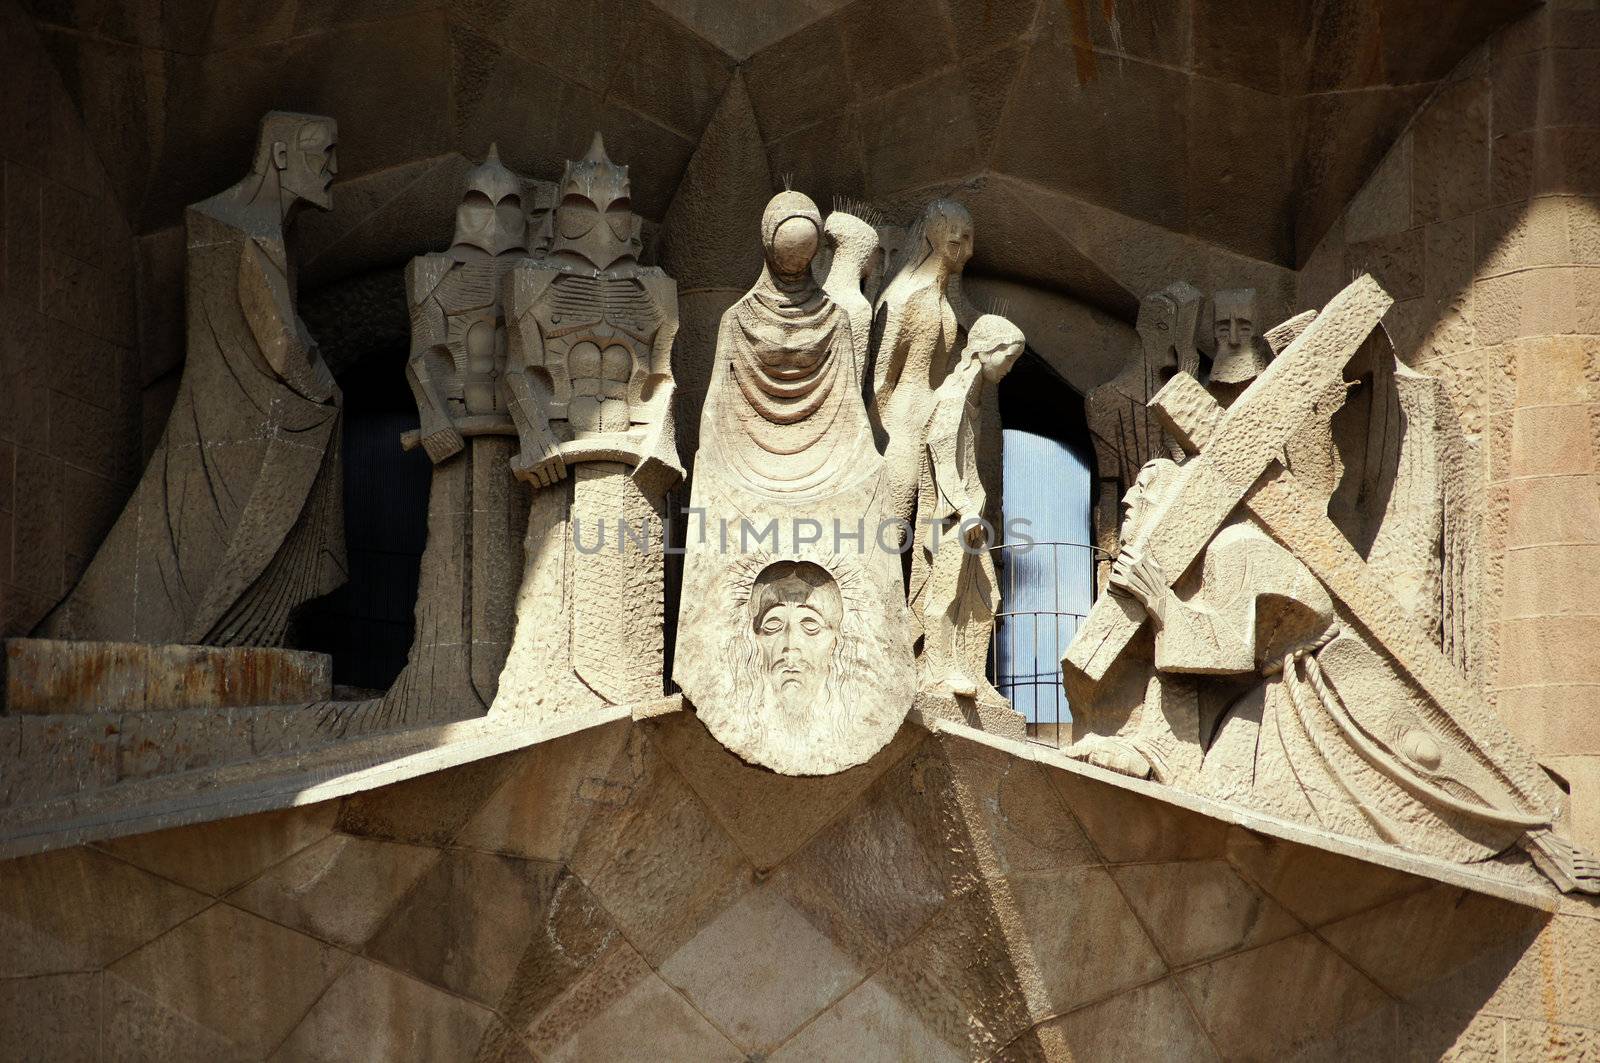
<point>785,439</point>
<point>239,516</point>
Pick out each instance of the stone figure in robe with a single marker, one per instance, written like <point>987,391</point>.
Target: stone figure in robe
<point>1308,718</point>
<point>1125,432</point>
<point>476,513</point>
<point>919,336</point>
<point>590,388</point>
<point>239,516</point>
<point>794,643</point>
<point>954,592</point>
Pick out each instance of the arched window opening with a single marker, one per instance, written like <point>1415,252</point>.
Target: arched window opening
<point>1046,588</point>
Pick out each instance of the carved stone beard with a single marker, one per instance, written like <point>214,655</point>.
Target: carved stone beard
<point>808,712</point>
<point>1238,363</point>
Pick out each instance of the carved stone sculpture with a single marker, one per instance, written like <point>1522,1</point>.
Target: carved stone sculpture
<point>476,514</point>
<point>793,642</point>
<point>1394,465</point>
<point>954,593</point>
<point>1230,332</point>
<point>855,256</point>
<point>238,518</point>
<point>1270,633</point>
<point>920,334</point>
<point>590,389</point>
<point>1125,432</point>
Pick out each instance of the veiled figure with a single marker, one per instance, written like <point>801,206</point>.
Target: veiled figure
<point>783,408</point>
<point>239,517</point>
<point>786,462</point>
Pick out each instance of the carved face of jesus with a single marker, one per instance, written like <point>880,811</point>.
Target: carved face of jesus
<point>1155,479</point>
<point>796,645</point>
<point>796,611</point>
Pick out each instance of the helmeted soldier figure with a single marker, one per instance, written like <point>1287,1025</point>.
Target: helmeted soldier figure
<point>476,515</point>
<point>589,385</point>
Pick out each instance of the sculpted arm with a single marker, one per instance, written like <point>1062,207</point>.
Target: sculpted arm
<point>539,462</point>
<point>889,359</point>
<point>429,355</point>
<point>287,347</point>
<point>945,432</point>
<point>655,398</point>
<point>1213,633</point>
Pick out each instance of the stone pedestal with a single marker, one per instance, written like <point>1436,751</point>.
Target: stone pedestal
<point>52,677</point>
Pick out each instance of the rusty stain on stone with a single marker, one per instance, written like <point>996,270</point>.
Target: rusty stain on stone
<point>45,676</point>
<point>1082,48</point>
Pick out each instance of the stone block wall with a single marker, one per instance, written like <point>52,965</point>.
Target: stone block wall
<point>70,446</point>
<point>634,891</point>
<point>1484,222</point>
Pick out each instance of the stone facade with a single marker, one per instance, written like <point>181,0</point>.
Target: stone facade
<point>70,415</point>
<point>263,870</point>
<point>635,889</point>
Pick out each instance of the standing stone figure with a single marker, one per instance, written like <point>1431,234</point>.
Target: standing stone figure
<point>793,643</point>
<point>856,254</point>
<point>1125,431</point>
<point>590,388</point>
<point>920,334</point>
<point>954,592</point>
<point>239,516</point>
<point>466,591</point>
<point>1230,331</point>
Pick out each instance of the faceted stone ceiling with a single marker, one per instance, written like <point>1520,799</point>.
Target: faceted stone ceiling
<point>1245,123</point>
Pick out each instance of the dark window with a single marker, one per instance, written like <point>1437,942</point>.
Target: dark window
<point>366,625</point>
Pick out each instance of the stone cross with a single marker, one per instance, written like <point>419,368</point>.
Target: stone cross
<point>1248,440</point>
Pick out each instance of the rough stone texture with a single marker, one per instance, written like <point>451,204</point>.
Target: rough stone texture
<point>214,858</point>
<point>590,391</point>
<point>1480,197</point>
<point>968,903</point>
<point>705,244</point>
<point>50,677</point>
<point>239,518</point>
<point>70,413</point>
<point>954,591</point>
<point>169,94</point>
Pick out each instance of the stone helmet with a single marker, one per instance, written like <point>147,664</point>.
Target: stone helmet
<point>593,218</point>
<point>490,217</point>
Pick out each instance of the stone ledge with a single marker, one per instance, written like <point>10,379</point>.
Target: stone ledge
<point>368,762</point>
<point>286,780</point>
<point>1494,880</point>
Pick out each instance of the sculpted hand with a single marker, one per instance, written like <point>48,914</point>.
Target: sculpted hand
<point>539,471</point>
<point>1140,577</point>
<point>977,537</point>
<point>443,443</point>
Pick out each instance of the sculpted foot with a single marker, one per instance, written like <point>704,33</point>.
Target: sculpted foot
<point>1572,869</point>
<point>1112,754</point>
